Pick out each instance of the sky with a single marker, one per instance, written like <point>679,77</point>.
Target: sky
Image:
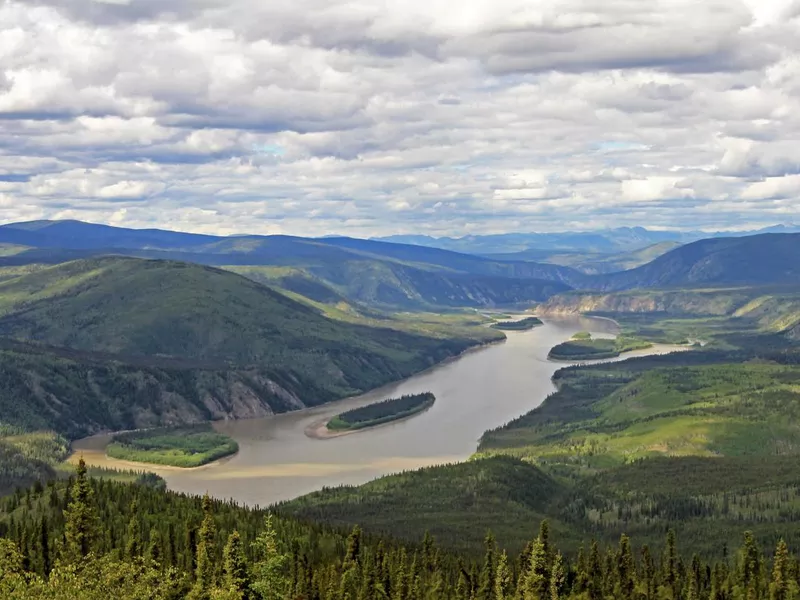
<point>378,117</point>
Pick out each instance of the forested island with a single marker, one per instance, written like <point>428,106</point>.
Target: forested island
<point>177,447</point>
<point>521,325</point>
<point>381,412</point>
<point>583,347</point>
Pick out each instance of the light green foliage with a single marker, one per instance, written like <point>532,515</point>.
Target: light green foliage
<point>270,579</point>
<point>179,447</point>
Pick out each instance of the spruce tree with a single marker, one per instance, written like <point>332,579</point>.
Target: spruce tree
<point>235,575</point>
<point>626,569</point>
<point>558,577</point>
<point>502,579</point>
<point>595,572</point>
<point>133,542</point>
<point>270,579</point>
<point>155,552</point>
<point>537,579</point>
<point>204,571</point>
<point>80,526</point>
<point>44,543</point>
<point>779,585</point>
<point>487,576</point>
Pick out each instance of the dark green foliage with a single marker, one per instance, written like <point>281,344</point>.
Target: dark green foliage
<point>144,335</point>
<point>179,447</point>
<point>521,325</point>
<point>593,349</point>
<point>382,412</point>
<point>457,503</point>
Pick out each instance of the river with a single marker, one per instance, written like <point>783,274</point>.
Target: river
<point>480,390</point>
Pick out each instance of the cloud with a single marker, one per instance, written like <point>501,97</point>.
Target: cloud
<point>322,116</point>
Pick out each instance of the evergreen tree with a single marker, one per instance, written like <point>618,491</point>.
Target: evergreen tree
<point>235,575</point>
<point>647,581</point>
<point>488,576</point>
<point>671,578</point>
<point>535,586</point>
<point>133,546</point>
<point>779,587</point>
<point>204,571</point>
<point>626,570</point>
<point>502,579</point>
<point>80,528</point>
<point>750,568</point>
<point>155,553</point>
<point>44,544</point>
<point>558,577</point>
<point>595,573</point>
<point>270,580</point>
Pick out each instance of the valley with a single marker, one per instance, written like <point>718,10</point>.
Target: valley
<point>681,413</point>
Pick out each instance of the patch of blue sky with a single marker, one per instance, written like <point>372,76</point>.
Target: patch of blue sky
<point>271,149</point>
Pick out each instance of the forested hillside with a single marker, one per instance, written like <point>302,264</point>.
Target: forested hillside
<point>753,260</point>
<point>369,272</point>
<point>705,441</point>
<point>119,343</point>
<point>152,544</point>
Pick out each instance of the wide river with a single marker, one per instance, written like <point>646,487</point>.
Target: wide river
<point>480,390</point>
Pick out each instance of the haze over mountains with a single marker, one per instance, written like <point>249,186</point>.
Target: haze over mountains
<point>398,275</point>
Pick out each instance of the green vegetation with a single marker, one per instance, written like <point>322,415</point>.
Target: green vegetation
<point>521,325</point>
<point>586,348</point>
<point>128,337</point>
<point>177,447</point>
<point>27,458</point>
<point>593,263</point>
<point>382,412</point>
<point>97,539</point>
<point>582,335</point>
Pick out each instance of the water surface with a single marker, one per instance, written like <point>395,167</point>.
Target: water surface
<point>480,390</point>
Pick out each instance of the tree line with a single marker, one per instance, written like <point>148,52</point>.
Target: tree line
<point>68,543</point>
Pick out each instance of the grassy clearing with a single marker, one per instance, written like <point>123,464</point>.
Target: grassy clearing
<point>178,447</point>
<point>609,416</point>
<point>382,412</point>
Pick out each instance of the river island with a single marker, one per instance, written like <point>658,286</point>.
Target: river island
<point>520,325</point>
<point>187,447</point>
<point>583,346</point>
<point>381,412</point>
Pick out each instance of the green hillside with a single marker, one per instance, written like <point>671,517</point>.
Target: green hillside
<point>456,503</point>
<point>753,260</point>
<point>90,539</point>
<point>119,343</point>
<point>133,307</point>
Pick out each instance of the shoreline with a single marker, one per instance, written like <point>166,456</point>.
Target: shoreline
<point>130,465</point>
<point>72,459</point>
<point>318,430</point>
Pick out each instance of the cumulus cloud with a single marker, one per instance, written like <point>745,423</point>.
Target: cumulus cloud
<point>319,116</point>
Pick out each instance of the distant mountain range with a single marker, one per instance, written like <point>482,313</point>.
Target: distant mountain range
<point>540,245</point>
<point>412,277</point>
<point>361,271</point>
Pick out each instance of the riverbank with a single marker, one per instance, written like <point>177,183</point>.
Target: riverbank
<point>483,388</point>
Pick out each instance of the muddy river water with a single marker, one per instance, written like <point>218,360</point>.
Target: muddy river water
<point>480,390</point>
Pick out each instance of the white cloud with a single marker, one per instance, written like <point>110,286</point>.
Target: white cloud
<point>321,116</point>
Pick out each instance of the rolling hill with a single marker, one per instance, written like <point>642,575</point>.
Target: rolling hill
<point>378,274</point>
<point>771,258</point>
<point>181,342</point>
